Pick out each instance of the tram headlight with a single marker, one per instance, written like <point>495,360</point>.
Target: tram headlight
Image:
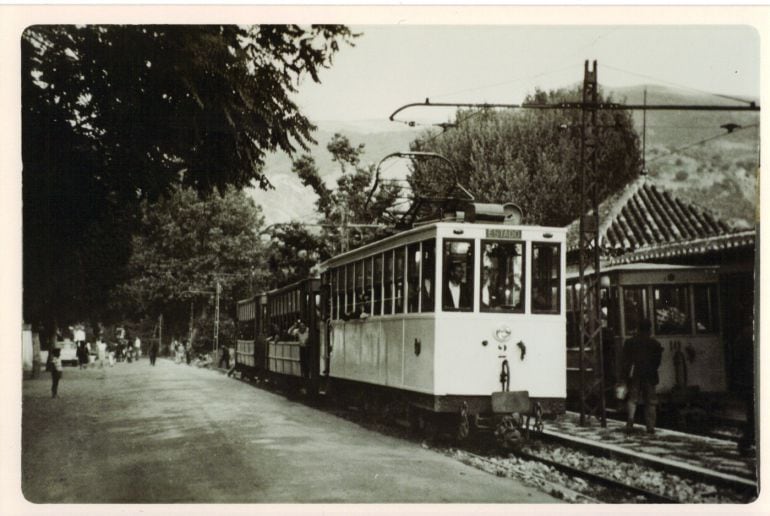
<point>503,333</point>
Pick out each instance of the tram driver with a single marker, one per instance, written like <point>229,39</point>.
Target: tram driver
<point>457,294</point>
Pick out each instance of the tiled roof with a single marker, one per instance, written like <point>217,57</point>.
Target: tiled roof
<point>720,243</point>
<point>643,219</point>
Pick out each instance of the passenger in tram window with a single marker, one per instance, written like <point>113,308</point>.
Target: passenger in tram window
<point>301,332</point>
<point>457,294</point>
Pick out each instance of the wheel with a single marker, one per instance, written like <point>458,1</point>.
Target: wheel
<point>463,429</point>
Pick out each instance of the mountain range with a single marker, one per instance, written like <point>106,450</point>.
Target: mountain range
<point>697,155</point>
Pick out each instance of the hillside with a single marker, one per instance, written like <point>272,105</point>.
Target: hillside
<point>720,174</point>
<point>292,201</point>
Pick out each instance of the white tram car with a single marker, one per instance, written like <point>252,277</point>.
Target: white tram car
<point>458,322</point>
<point>451,318</point>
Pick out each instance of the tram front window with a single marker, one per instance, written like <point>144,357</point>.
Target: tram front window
<point>502,275</point>
<point>457,292</point>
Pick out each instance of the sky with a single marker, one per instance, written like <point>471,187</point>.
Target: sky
<point>394,65</point>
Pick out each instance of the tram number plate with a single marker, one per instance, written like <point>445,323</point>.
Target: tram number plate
<point>503,233</point>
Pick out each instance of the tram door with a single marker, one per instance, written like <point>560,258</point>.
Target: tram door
<point>737,312</point>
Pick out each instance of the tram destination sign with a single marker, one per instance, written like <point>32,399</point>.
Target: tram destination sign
<point>504,233</point>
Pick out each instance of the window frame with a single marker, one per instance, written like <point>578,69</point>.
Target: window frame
<point>559,279</point>
<point>469,267</point>
<point>523,255</point>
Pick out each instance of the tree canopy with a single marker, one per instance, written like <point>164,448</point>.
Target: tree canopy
<point>114,115</point>
<point>185,245</point>
<point>346,205</point>
<point>530,157</point>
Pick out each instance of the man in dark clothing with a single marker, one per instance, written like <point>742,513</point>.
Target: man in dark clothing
<point>641,359</point>
<point>224,357</point>
<point>153,351</point>
<point>744,382</point>
<point>456,293</point>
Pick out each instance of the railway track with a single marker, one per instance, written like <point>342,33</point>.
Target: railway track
<point>578,470</point>
<point>590,488</point>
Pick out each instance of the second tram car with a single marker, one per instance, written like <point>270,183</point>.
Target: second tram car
<point>682,304</point>
<point>457,321</point>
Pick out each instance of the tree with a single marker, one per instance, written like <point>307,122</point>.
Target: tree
<point>530,157</point>
<point>295,250</point>
<point>187,244</point>
<point>115,115</point>
<point>343,208</point>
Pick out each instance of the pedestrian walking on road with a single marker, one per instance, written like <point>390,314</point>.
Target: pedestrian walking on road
<point>56,371</point>
<point>188,352</point>
<point>101,352</point>
<point>82,354</point>
<point>153,351</point>
<point>641,359</point>
<point>137,348</point>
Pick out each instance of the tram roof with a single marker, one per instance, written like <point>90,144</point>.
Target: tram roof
<point>391,241</point>
<point>573,272</point>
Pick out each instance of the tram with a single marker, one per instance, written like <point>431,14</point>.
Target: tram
<point>459,321</point>
<point>682,304</point>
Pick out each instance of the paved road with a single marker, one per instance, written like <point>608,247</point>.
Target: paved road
<point>174,433</point>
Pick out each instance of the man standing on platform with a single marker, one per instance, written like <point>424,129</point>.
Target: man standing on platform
<point>641,359</point>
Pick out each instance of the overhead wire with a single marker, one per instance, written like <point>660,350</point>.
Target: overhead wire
<point>701,142</point>
<point>663,81</point>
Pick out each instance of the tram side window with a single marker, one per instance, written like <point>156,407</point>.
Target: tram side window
<point>546,280</point>
<point>388,299</point>
<point>340,309</point>
<point>378,284</point>
<point>502,276</point>
<point>671,309</point>
<point>333,293</point>
<point>350,288</point>
<point>428,301</point>
<point>634,308</point>
<point>457,294</point>
<point>360,300</point>
<point>367,308</point>
<point>413,278</point>
<point>398,281</point>
<point>706,315</point>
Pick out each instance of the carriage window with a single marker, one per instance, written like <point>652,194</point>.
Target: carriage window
<point>413,277</point>
<point>333,293</point>
<point>388,297</point>
<point>428,275</point>
<point>458,275</point>
<point>398,281</point>
<point>502,276</point>
<point>367,285</point>
<point>340,272</point>
<point>378,284</point>
<point>349,287</point>
<point>671,310</point>
<point>635,308</point>
<point>706,315</point>
<point>546,281</point>
<point>360,300</point>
